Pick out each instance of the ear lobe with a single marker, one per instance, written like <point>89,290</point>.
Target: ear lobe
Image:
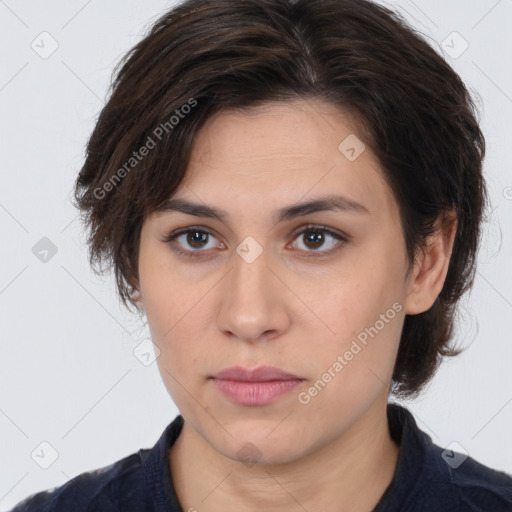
<point>431,265</point>
<point>137,300</point>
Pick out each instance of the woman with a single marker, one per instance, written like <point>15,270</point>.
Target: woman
<point>291,192</point>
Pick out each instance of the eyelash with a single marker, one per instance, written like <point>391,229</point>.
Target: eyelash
<point>309,228</point>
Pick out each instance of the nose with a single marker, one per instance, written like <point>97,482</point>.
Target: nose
<point>253,297</point>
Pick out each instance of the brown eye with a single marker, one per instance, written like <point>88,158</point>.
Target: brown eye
<point>196,239</point>
<point>319,239</point>
<point>314,239</point>
<point>191,242</point>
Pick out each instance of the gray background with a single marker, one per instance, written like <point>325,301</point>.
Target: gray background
<point>68,372</point>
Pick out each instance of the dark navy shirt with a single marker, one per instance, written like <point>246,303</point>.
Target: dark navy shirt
<point>425,480</point>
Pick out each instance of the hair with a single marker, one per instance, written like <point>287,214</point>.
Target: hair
<point>204,57</point>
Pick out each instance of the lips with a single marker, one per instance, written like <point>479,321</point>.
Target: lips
<point>261,374</point>
<point>257,387</point>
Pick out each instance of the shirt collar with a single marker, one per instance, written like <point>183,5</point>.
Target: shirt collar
<point>420,468</point>
<point>419,461</point>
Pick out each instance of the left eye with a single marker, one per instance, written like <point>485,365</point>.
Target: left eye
<point>316,237</point>
<point>200,238</point>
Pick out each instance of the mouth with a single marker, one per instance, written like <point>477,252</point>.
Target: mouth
<point>257,387</point>
<point>255,393</point>
<point>260,374</point>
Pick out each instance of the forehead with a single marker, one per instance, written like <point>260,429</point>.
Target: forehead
<point>281,153</point>
<point>297,129</point>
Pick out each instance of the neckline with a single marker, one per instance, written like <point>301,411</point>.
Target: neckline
<point>411,464</point>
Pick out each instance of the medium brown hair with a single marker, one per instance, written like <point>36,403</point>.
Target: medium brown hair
<point>238,54</point>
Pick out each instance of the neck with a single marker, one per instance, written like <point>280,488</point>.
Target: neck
<point>348,474</point>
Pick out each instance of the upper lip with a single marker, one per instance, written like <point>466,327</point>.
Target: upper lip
<point>261,374</point>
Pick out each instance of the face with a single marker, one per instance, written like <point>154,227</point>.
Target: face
<point>318,293</point>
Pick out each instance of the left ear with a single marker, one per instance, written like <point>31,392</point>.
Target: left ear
<point>431,265</point>
<point>136,298</point>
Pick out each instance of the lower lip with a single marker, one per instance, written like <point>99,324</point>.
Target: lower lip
<point>255,393</point>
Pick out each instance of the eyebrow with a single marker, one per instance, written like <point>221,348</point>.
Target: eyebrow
<point>328,203</point>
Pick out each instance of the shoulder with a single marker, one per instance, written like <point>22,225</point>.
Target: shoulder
<point>429,477</point>
<point>104,489</point>
<point>131,484</point>
<point>475,486</point>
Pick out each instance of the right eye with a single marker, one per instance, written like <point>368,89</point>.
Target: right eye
<point>194,237</point>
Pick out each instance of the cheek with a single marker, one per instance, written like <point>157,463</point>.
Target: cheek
<point>354,367</point>
<point>366,331</point>
<point>176,315</point>
<point>164,290</point>
<point>177,329</point>
<point>363,308</point>
<point>354,297</point>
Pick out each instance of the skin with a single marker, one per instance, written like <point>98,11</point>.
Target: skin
<point>284,309</point>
